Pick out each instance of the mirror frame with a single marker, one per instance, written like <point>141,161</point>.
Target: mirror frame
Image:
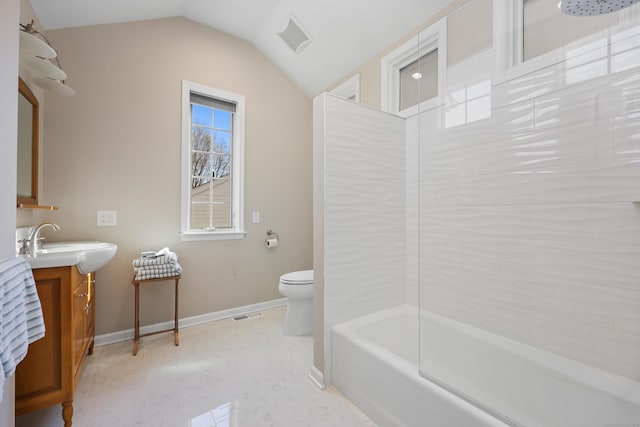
<point>31,199</point>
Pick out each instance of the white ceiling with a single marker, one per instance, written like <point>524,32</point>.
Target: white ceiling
<point>345,33</point>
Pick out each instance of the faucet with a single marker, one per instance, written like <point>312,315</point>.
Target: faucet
<point>34,241</point>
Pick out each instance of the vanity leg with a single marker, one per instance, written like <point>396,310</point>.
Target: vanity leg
<point>90,352</point>
<point>67,412</point>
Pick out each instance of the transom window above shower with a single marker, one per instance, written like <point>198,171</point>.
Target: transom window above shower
<point>534,34</point>
<point>413,75</point>
<point>419,80</point>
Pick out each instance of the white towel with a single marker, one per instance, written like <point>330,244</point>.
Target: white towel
<point>163,256</point>
<point>21,321</point>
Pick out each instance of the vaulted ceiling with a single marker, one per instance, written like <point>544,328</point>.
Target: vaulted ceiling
<point>345,33</point>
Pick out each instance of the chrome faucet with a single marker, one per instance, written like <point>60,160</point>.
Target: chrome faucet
<point>34,241</point>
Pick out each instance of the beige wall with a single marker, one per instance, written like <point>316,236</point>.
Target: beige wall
<point>9,13</point>
<point>116,146</point>
<point>469,30</point>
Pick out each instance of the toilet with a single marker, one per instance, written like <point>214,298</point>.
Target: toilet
<point>298,288</point>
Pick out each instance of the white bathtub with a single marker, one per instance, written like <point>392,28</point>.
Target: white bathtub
<point>375,364</point>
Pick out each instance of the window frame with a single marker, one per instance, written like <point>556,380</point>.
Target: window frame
<point>349,89</point>
<point>237,230</point>
<point>432,38</point>
<point>508,40</point>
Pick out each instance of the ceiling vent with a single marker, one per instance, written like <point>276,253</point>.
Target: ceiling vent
<point>294,35</point>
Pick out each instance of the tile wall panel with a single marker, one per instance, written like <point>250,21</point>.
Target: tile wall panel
<point>529,219</point>
<point>412,162</point>
<point>365,210</point>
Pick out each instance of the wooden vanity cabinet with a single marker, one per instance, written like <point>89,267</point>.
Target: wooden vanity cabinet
<point>50,372</point>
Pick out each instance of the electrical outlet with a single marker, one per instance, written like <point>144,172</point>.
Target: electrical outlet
<point>256,217</point>
<point>107,218</point>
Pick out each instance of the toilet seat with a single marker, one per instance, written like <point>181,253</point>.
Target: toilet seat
<point>304,277</point>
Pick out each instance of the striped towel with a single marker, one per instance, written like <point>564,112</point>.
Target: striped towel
<point>170,258</point>
<point>21,321</point>
<point>157,271</point>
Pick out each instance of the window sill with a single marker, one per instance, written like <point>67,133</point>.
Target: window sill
<point>212,235</point>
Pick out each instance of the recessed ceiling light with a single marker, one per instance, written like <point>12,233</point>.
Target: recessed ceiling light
<point>417,75</point>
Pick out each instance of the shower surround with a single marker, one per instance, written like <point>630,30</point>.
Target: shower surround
<point>513,208</point>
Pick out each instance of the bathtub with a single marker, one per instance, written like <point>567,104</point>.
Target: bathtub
<point>374,362</point>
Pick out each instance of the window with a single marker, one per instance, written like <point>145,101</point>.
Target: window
<point>212,163</point>
<point>413,75</point>
<point>419,80</point>
<point>533,34</point>
<point>542,18</point>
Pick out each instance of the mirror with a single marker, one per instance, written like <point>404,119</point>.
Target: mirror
<point>28,125</point>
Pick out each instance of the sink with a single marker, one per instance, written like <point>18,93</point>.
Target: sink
<point>87,256</point>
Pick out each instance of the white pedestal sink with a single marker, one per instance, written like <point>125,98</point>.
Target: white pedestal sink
<point>87,256</point>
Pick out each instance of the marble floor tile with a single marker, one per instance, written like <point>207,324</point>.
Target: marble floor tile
<point>223,374</point>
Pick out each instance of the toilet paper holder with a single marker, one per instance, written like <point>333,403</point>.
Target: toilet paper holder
<point>272,242</point>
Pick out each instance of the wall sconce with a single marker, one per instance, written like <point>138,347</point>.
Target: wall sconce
<point>35,54</point>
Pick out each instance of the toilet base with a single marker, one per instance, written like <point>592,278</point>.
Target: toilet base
<point>299,317</point>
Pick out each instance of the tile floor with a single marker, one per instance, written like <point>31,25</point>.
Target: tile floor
<point>223,374</point>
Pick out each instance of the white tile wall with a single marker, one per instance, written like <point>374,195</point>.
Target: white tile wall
<point>364,210</point>
<point>523,222</point>
<point>528,226</point>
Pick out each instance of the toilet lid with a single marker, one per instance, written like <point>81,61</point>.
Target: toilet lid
<point>304,277</point>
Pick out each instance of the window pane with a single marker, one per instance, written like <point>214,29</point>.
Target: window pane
<point>419,80</point>
<point>222,119</point>
<point>200,169</point>
<point>200,216</point>
<point>222,216</point>
<point>207,166</point>
<point>546,28</point>
<point>221,191</point>
<point>211,205</point>
<point>220,166</point>
<point>201,138</point>
<point>222,141</point>
<point>210,215</point>
<point>201,115</point>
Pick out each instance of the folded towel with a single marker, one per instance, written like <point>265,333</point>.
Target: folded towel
<point>21,321</point>
<point>163,256</point>
<point>157,271</point>
<point>160,260</point>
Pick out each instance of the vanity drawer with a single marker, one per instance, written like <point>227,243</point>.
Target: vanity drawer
<point>80,297</point>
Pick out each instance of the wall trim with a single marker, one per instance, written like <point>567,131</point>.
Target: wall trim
<point>317,378</point>
<point>127,334</point>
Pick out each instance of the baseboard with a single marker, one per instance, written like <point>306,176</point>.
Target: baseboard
<point>127,334</point>
<point>317,377</point>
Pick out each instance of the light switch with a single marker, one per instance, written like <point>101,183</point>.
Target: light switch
<point>256,217</point>
<point>107,218</point>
